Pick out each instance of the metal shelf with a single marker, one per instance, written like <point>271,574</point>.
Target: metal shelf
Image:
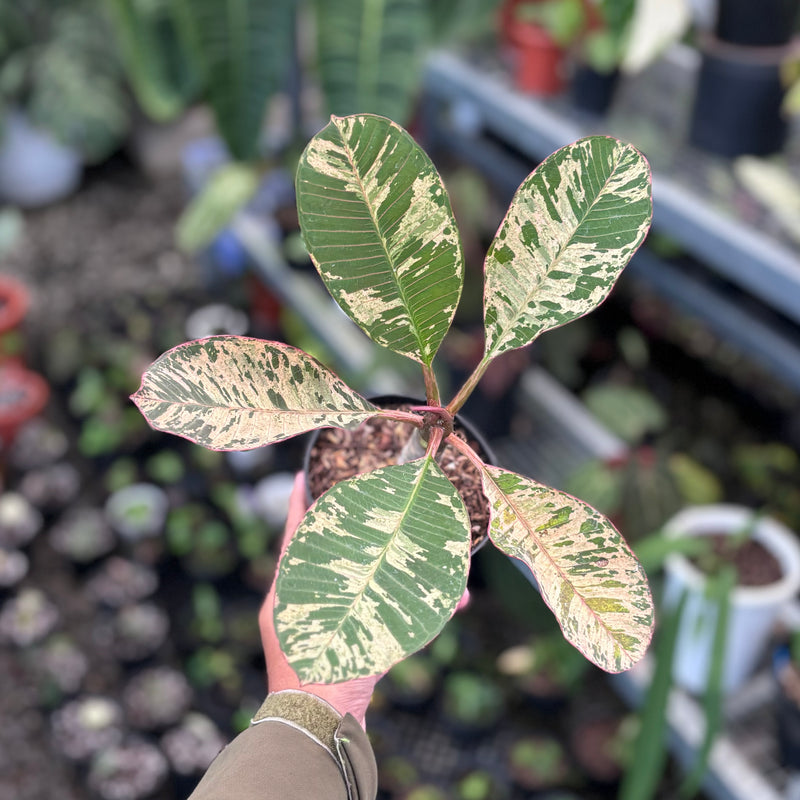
<point>744,763</point>
<point>767,267</point>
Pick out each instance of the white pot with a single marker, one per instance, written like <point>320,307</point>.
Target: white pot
<point>35,169</point>
<point>753,608</point>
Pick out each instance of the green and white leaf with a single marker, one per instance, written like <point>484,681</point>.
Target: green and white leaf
<point>586,572</point>
<point>373,573</point>
<point>573,225</point>
<point>377,222</point>
<point>237,393</point>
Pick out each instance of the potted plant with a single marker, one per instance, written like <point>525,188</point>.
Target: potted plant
<point>411,684</point>
<point>156,698</point>
<point>472,703</point>
<point>537,763</point>
<point>480,784</point>
<point>378,225</point>
<point>87,725</point>
<point>119,582</point>
<point>134,768</point>
<point>82,535</point>
<point>191,746</point>
<point>23,396</point>
<point>538,33</point>
<point>19,520</point>
<point>137,511</point>
<point>27,617</point>
<point>766,556</point>
<point>62,98</point>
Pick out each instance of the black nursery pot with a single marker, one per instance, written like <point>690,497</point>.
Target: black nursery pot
<point>758,23</point>
<point>787,713</point>
<point>396,401</point>
<point>737,107</point>
<point>593,91</point>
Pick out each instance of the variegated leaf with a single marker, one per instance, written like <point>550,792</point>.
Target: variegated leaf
<point>586,572</point>
<point>377,222</point>
<point>237,393</point>
<point>372,574</point>
<point>573,225</point>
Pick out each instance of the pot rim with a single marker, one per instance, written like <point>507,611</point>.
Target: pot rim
<point>779,540</point>
<point>17,301</point>
<point>379,401</point>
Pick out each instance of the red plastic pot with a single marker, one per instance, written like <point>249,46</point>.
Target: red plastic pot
<point>14,302</point>
<point>539,63</point>
<point>23,396</point>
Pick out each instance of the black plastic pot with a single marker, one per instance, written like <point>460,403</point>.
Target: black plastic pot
<point>787,712</point>
<point>760,23</point>
<point>593,91</point>
<point>737,107</point>
<point>395,401</point>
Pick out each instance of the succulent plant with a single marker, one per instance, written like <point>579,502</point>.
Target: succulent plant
<point>387,552</point>
<point>138,631</point>
<point>82,535</point>
<point>19,520</point>
<point>62,664</point>
<point>14,567</point>
<point>156,698</point>
<point>27,617</point>
<point>86,725</point>
<point>192,745</point>
<point>119,582</point>
<point>131,770</point>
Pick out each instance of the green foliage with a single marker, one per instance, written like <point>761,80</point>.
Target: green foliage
<point>379,562</point>
<point>58,64</point>
<point>155,53</point>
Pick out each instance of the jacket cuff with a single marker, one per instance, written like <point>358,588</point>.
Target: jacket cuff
<point>343,737</point>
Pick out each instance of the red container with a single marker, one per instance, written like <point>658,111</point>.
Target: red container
<point>23,396</point>
<point>14,301</point>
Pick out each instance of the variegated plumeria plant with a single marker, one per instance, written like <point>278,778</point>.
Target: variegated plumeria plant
<point>380,561</point>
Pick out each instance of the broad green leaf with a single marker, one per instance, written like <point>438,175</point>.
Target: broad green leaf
<point>226,193</point>
<point>377,223</point>
<point>586,572</point>
<point>573,225</point>
<point>373,573</point>
<point>158,67</point>
<point>370,55</point>
<point>236,393</point>
<point>243,48</point>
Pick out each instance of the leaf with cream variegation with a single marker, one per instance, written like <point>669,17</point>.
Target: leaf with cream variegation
<point>586,572</point>
<point>572,226</point>
<point>377,222</point>
<point>374,571</point>
<point>237,393</point>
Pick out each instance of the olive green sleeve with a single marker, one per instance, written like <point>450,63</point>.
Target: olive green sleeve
<point>296,748</point>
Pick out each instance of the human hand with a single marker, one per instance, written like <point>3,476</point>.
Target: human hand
<point>351,697</point>
<point>346,697</point>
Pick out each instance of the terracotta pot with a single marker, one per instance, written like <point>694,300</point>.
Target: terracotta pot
<point>23,395</point>
<point>539,63</point>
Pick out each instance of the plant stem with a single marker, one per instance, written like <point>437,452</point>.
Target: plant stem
<point>431,387</point>
<point>434,442</point>
<point>469,386</point>
<point>464,448</point>
<point>401,416</point>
